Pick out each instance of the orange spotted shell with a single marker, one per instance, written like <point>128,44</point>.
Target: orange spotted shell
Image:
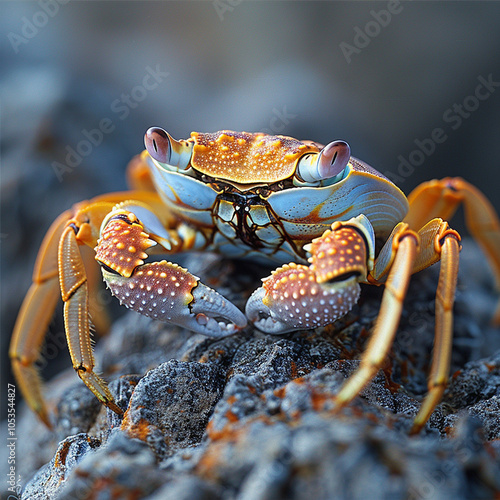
<point>246,158</point>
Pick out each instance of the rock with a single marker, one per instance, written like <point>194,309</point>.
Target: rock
<point>170,406</point>
<point>252,416</point>
<point>476,389</point>
<point>49,479</point>
<point>122,468</point>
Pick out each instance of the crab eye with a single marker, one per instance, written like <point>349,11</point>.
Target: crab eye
<point>163,148</point>
<point>158,144</point>
<point>329,164</point>
<point>333,159</point>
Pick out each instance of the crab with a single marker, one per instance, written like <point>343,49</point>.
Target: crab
<point>327,220</point>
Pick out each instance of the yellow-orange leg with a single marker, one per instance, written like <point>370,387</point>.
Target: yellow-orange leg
<point>39,304</point>
<point>437,242</point>
<point>139,173</point>
<point>74,292</point>
<point>34,318</point>
<point>441,198</point>
<point>448,246</point>
<point>405,244</point>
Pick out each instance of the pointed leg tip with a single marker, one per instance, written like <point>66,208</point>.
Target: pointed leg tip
<point>114,407</point>
<point>416,428</point>
<point>341,401</point>
<point>44,417</point>
<point>495,320</point>
<point>337,407</point>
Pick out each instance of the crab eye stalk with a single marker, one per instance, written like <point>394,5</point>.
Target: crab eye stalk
<point>158,145</point>
<point>163,148</point>
<point>328,164</point>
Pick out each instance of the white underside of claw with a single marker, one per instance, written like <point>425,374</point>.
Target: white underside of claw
<point>216,315</point>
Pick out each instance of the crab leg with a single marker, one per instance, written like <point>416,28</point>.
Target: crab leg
<point>38,306</point>
<point>161,290</point>
<point>405,244</point>
<point>438,242</point>
<point>139,174</point>
<point>73,282</point>
<point>84,229</point>
<point>441,198</point>
<point>34,318</point>
<point>447,244</point>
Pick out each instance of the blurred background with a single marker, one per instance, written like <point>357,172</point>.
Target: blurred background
<point>413,87</point>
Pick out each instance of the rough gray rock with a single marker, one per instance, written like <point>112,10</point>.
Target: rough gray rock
<point>170,406</point>
<point>51,476</point>
<point>252,416</point>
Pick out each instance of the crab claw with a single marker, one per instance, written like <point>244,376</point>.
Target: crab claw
<point>163,148</point>
<point>297,296</point>
<point>291,299</point>
<point>166,291</point>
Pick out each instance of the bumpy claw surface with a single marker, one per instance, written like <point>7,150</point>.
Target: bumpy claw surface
<point>122,244</point>
<point>338,253</point>
<point>168,292</point>
<point>291,298</point>
<point>160,290</point>
<point>297,296</point>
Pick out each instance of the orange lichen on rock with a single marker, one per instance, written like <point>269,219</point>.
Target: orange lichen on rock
<point>139,430</point>
<point>209,465</point>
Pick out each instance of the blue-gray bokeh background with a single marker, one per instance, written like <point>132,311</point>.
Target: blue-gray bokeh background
<point>277,66</point>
